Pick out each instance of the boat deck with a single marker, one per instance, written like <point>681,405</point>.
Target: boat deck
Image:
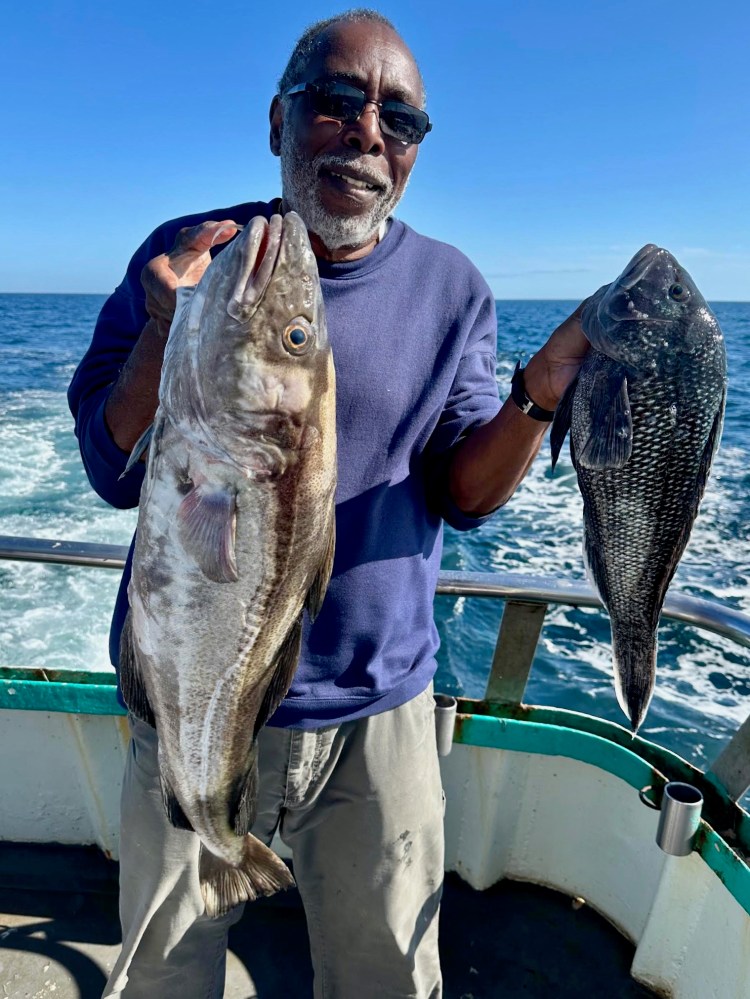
<point>59,936</point>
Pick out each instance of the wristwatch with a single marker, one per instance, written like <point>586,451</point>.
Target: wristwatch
<point>524,402</point>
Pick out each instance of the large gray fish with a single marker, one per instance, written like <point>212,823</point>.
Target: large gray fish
<point>235,538</point>
<point>645,416</point>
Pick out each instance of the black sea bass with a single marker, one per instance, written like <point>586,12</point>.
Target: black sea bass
<point>645,416</point>
<point>235,538</point>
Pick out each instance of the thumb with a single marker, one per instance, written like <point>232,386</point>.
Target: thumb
<point>200,238</point>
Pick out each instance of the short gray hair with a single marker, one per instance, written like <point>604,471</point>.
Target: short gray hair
<point>310,39</point>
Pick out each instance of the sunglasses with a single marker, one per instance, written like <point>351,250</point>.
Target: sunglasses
<point>344,103</point>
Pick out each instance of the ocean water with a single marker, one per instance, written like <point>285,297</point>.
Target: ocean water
<point>58,617</point>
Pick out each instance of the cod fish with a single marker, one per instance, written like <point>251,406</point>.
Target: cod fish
<point>235,539</point>
<point>645,416</point>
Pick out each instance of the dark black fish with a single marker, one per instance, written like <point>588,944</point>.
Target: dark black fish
<point>645,416</point>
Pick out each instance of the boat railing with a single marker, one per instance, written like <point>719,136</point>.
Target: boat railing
<point>526,599</point>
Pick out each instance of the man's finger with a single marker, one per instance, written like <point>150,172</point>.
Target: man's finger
<point>200,238</point>
<point>185,264</point>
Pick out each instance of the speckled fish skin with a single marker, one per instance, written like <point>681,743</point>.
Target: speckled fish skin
<point>235,537</point>
<point>645,417</point>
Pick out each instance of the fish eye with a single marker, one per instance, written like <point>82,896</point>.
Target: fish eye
<point>298,337</point>
<point>679,292</point>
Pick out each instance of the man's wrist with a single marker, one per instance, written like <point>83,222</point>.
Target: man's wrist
<point>536,382</point>
<point>525,402</point>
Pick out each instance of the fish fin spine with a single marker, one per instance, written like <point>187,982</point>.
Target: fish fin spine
<point>247,800</point>
<point>316,593</point>
<point>260,872</point>
<point>131,677</point>
<point>287,658</point>
<point>561,421</point>
<point>172,807</point>
<point>139,449</point>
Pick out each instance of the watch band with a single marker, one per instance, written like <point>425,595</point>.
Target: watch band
<point>522,400</point>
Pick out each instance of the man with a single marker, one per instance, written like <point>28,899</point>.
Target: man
<point>349,771</point>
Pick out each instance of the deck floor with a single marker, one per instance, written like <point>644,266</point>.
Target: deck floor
<point>514,940</point>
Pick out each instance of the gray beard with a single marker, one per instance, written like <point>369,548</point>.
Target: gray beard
<point>299,178</point>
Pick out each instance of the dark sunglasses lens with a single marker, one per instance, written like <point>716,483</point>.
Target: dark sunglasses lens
<point>336,100</point>
<point>403,122</point>
<point>344,103</point>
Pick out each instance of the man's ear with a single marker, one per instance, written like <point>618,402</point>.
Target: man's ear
<point>276,118</point>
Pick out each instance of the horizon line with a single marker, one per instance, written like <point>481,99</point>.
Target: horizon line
<point>106,294</point>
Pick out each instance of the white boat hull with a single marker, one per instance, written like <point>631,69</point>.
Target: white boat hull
<point>537,802</point>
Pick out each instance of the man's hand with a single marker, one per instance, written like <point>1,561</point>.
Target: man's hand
<point>555,365</point>
<point>132,402</point>
<point>493,459</point>
<point>183,266</point>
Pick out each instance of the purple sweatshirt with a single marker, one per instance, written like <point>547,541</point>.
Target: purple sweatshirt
<point>413,331</point>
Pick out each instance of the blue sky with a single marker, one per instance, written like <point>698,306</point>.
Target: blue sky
<point>566,134</point>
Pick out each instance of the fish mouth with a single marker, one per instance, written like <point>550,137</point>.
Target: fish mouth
<point>619,303</point>
<point>639,266</point>
<point>258,247</point>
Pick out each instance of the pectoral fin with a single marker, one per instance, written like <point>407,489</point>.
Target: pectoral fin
<point>609,441</point>
<point>207,519</point>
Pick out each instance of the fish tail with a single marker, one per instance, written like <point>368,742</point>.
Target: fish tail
<point>635,672</point>
<point>224,885</point>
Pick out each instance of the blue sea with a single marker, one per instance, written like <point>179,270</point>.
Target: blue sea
<point>58,617</point>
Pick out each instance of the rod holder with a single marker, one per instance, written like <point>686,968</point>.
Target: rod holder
<point>679,817</point>
<point>445,722</point>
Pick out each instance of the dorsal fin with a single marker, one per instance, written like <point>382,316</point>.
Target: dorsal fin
<point>317,591</point>
<point>130,675</point>
<point>285,664</point>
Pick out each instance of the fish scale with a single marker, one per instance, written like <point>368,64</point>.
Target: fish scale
<point>644,416</point>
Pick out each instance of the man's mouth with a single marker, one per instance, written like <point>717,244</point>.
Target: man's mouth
<point>356,183</point>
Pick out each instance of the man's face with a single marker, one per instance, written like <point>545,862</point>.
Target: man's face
<point>345,179</point>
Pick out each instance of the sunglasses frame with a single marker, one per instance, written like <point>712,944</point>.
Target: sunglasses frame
<point>314,87</point>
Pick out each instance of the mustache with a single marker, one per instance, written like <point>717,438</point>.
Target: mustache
<point>358,165</point>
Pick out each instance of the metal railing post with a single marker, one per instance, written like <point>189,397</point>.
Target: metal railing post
<point>517,639</point>
<point>732,766</point>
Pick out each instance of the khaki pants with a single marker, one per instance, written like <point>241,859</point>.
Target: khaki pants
<point>360,806</point>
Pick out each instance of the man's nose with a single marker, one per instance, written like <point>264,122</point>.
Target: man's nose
<point>364,134</point>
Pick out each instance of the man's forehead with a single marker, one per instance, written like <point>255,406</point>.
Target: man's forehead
<point>364,53</point>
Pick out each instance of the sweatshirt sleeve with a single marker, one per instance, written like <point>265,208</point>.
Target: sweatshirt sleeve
<point>473,401</point>
<point>117,329</point>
